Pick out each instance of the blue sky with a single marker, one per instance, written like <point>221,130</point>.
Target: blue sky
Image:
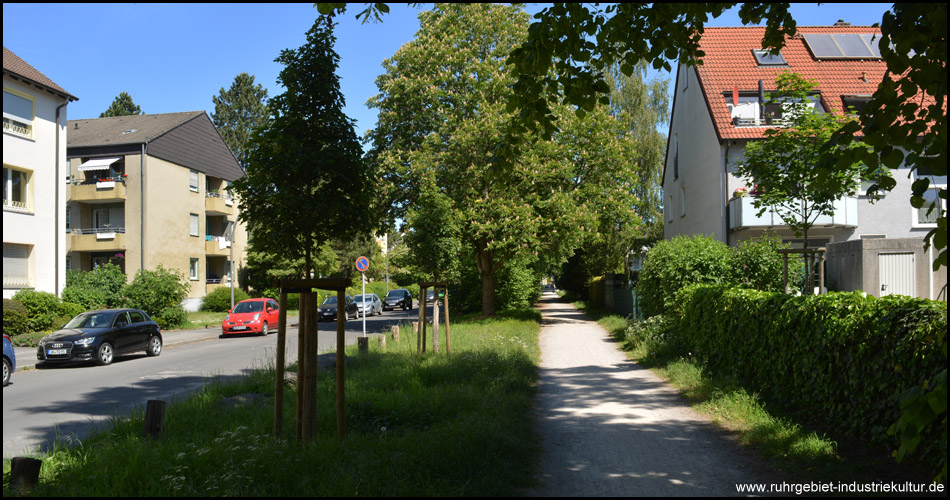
<point>175,57</point>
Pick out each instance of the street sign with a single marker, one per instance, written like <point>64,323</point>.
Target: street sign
<point>362,264</point>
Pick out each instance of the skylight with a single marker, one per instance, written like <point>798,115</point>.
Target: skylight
<point>765,59</point>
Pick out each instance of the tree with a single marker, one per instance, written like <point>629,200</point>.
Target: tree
<point>305,181</point>
<point>122,106</point>
<point>238,111</point>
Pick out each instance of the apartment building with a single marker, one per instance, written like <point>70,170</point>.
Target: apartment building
<point>34,164</point>
<point>152,190</point>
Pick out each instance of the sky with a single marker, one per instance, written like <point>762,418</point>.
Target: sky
<point>175,57</point>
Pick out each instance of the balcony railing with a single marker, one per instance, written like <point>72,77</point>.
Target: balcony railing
<point>100,239</point>
<point>218,204</point>
<point>743,215</point>
<point>110,189</point>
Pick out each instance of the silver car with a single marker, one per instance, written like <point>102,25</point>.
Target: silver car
<point>369,304</point>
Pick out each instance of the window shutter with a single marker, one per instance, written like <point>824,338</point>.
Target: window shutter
<point>16,264</point>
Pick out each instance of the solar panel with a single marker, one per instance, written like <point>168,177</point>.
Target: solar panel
<point>853,46</point>
<point>822,45</point>
<point>872,41</point>
<point>843,45</point>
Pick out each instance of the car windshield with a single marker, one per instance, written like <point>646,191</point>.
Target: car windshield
<point>359,298</point>
<point>331,301</point>
<point>91,320</point>
<point>395,294</point>
<point>248,307</point>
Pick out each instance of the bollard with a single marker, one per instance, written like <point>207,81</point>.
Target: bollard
<point>154,418</point>
<point>382,341</point>
<point>395,332</point>
<point>415,327</point>
<point>363,344</point>
<point>24,474</point>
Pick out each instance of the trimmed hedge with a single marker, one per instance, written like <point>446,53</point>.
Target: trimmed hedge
<point>841,360</point>
<point>673,264</point>
<point>42,309</point>
<point>219,300</point>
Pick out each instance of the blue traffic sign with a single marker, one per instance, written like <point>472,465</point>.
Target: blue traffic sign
<point>362,264</point>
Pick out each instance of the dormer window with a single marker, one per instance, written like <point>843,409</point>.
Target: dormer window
<point>855,103</point>
<point>764,58</point>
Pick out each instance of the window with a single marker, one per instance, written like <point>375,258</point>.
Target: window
<point>929,212</point>
<point>16,184</point>
<point>763,57</point>
<point>193,270</point>
<point>68,215</point>
<point>194,224</point>
<point>137,317</point>
<point>69,263</point>
<point>676,160</point>
<point>669,209</point>
<point>683,201</point>
<point>193,180</point>
<point>19,110</point>
<point>16,266</point>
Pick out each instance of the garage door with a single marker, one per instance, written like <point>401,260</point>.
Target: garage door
<point>897,274</point>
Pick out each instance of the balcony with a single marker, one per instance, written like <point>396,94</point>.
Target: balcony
<point>742,215</point>
<point>212,284</point>
<point>217,246</point>
<point>104,239</point>
<point>217,204</point>
<point>100,191</point>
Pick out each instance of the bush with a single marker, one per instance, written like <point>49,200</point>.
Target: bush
<point>15,317</point>
<point>673,264</point>
<point>29,339</point>
<point>42,309</point>
<point>66,312</point>
<point>219,300</point>
<point>159,293</point>
<point>656,336</point>
<point>519,287</point>
<point>95,289</point>
<point>293,299</point>
<point>757,264</point>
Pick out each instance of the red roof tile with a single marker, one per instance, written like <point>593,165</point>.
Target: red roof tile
<point>729,62</point>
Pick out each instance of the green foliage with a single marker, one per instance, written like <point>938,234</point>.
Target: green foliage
<point>293,299</point>
<point>27,339</point>
<point>238,111</point>
<point>656,337</point>
<point>219,300</point>
<point>95,289</point>
<point>840,360</point>
<point>519,286</point>
<point>757,264</point>
<point>42,309</point>
<point>673,264</point>
<point>122,106</point>
<point>159,293</point>
<point>68,311</point>
<point>15,317</point>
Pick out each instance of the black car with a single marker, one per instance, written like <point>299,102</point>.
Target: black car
<point>100,336</point>
<point>398,298</point>
<point>327,310</point>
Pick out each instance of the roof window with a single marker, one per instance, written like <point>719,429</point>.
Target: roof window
<point>764,58</point>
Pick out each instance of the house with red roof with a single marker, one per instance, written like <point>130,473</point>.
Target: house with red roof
<point>719,107</point>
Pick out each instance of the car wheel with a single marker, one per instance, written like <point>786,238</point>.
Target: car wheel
<point>264,330</point>
<point>105,354</point>
<point>154,346</point>
<point>6,372</point>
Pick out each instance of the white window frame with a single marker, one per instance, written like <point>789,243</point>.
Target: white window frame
<point>12,124</point>
<point>13,260</point>
<point>194,224</point>
<point>193,269</point>
<point>193,180</point>
<point>25,206</point>
<point>941,204</point>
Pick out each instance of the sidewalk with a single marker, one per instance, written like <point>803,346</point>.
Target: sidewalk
<point>609,427</point>
<point>26,356</point>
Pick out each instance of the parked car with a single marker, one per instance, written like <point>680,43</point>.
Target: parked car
<point>399,297</point>
<point>327,310</point>
<point>369,304</point>
<point>430,294</point>
<point>251,316</point>
<point>9,359</point>
<point>100,336</point>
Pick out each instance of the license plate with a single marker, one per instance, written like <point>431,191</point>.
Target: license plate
<point>239,328</point>
<point>55,352</point>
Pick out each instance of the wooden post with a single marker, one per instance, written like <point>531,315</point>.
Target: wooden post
<point>394,330</point>
<point>382,341</point>
<point>363,345</point>
<point>281,361</point>
<point>307,374</point>
<point>421,338</point>
<point>154,418</point>
<point>24,474</point>
<point>415,327</point>
<point>785,270</point>
<point>447,320</point>
<point>821,270</point>
<point>435,320</point>
<point>340,361</point>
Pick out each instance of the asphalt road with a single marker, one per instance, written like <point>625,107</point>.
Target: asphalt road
<point>71,401</point>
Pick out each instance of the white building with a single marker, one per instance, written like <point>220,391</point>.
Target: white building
<point>34,173</point>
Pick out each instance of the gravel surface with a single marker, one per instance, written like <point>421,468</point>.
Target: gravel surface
<point>610,427</point>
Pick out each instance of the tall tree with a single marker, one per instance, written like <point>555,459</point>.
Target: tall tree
<point>122,106</point>
<point>306,181</point>
<point>238,111</point>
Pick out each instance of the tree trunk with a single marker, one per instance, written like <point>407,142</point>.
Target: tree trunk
<point>486,267</point>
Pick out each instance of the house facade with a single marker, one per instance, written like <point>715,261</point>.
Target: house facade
<point>719,107</point>
<point>152,190</point>
<point>34,164</point>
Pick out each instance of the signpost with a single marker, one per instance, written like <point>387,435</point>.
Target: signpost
<point>362,264</point>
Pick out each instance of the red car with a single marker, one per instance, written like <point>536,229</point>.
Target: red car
<point>251,316</point>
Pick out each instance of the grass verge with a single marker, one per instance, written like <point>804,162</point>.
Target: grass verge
<point>430,425</point>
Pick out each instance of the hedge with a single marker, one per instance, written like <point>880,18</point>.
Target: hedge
<point>841,360</point>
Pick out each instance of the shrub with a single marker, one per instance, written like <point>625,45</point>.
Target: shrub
<point>519,287</point>
<point>656,336</point>
<point>15,317</point>
<point>293,299</point>
<point>159,293</point>
<point>757,264</point>
<point>95,289</point>
<point>41,307</point>
<point>28,339</point>
<point>673,264</point>
<point>219,300</point>
<point>66,312</point>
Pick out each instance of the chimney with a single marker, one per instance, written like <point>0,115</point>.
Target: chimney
<point>842,23</point>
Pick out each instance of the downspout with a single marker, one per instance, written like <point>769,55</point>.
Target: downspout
<point>725,195</point>
<point>142,208</point>
<point>56,188</point>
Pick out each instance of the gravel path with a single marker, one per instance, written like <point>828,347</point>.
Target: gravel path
<point>609,427</point>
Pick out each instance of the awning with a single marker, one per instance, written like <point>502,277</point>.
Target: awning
<point>98,164</point>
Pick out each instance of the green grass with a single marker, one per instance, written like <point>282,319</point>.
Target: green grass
<point>204,319</point>
<point>430,425</point>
